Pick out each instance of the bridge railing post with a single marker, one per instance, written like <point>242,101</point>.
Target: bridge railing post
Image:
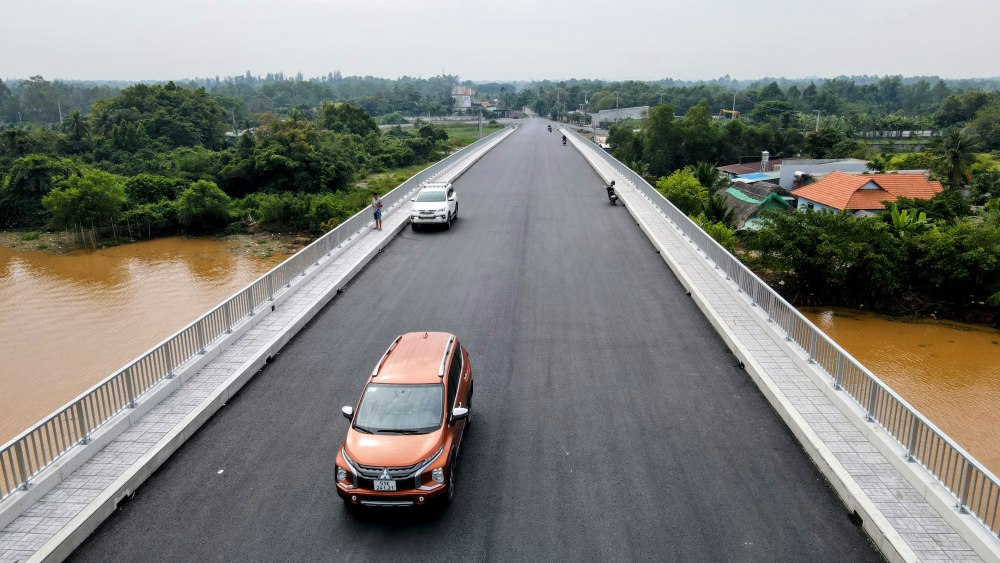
<point>81,423</point>
<point>911,442</point>
<point>229,317</point>
<point>872,401</point>
<point>838,378</point>
<point>130,387</point>
<point>199,330</point>
<point>22,465</point>
<point>963,495</point>
<point>812,346</point>
<point>168,352</point>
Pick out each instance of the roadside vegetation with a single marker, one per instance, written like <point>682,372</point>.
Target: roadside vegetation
<point>157,160</point>
<point>937,257</point>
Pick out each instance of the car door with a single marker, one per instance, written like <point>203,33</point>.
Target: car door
<point>452,200</point>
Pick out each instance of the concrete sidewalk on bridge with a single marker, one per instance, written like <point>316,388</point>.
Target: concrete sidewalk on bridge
<point>53,526</point>
<point>901,521</point>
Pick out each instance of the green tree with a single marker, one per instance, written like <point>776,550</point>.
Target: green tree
<point>684,191</point>
<point>626,144</point>
<point>203,208</point>
<point>708,176</point>
<point>986,125</point>
<point>959,264</point>
<point>93,197</point>
<point>955,151</point>
<point>77,127</point>
<point>347,118</point>
<point>172,116</point>
<point>661,140</point>
<point>829,258</point>
<point>150,188</point>
<point>30,179</point>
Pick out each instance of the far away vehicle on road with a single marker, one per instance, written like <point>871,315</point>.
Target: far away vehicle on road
<point>435,204</point>
<point>612,196</point>
<point>405,433</point>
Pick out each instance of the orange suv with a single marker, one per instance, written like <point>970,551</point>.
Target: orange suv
<point>405,433</point>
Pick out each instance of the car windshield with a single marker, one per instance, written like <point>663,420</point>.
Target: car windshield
<point>400,409</point>
<point>431,196</point>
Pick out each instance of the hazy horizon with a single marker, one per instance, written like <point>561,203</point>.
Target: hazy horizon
<point>120,40</point>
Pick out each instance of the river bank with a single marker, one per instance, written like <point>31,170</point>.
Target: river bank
<point>947,370</point>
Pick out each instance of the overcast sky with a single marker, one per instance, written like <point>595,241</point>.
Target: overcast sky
<point>512,39</point>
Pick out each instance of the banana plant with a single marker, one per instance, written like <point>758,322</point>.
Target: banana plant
<point>909,220</point>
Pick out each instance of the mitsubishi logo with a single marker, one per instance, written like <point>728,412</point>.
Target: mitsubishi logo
<point>385,473</point>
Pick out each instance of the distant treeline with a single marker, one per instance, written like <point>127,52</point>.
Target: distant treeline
<point>159,159</point>
<point>38,101</point>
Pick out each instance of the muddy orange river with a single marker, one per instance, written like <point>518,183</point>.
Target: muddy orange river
<point>70,320</point>
<point>949,371</point>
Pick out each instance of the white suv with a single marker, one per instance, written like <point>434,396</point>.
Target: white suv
<point>436,204</point>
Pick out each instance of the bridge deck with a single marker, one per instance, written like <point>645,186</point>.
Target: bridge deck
<point>905,511</point>
<point>68,509</point>
<point>610,419</point>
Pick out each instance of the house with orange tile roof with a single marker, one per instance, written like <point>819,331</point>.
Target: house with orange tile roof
<point>863,194</point>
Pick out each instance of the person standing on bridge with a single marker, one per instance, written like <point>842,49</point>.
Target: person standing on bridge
<point>377,206</point>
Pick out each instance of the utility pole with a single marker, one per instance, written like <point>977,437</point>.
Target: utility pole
<point>616,100</point>
<point>733,115</point>
<point>480,121</point>
<point>818,112</point>
<point>59,105</point>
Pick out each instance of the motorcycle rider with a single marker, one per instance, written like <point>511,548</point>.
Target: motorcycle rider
<point>564,139</point>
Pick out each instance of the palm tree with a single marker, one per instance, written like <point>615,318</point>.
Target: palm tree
<point>715,210</point>
<point>707,175</point>
<point>955,151</point>
<point>77,126</point>
<point>104,122</point>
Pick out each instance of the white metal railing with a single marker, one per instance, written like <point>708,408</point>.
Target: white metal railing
<point>24,457</point>
<point>975,488</point>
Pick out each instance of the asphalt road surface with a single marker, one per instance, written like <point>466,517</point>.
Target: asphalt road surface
<point>611,421</point>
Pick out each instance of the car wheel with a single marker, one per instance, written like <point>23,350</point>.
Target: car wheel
<point>447,225</point>
<point>455,215</point>
<point>413,226</point>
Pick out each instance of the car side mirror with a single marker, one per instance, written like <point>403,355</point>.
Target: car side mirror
<point>348,412</point>
<point>452,198</point>
<point>458,413</point>
<point>413,199</point>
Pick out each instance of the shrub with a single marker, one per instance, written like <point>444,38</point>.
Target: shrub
<point>203,208</point>
<point>684,191</point>
<point>92,197</point>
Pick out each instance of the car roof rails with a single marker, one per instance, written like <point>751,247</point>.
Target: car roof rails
<point>444,358</point>
<point>378,366</point>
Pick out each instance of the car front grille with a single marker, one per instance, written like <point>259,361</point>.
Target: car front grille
<point>395,473</point>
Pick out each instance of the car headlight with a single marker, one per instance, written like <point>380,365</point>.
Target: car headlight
<point>341,474</point>
<point>442,210</point>
<point>438,475</point>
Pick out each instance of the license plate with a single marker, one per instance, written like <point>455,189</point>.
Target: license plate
<point>381,485</point>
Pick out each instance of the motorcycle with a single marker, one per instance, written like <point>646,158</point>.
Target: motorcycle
<point>564,140</point>
<point>612,196</point>
<point>550,128</point>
